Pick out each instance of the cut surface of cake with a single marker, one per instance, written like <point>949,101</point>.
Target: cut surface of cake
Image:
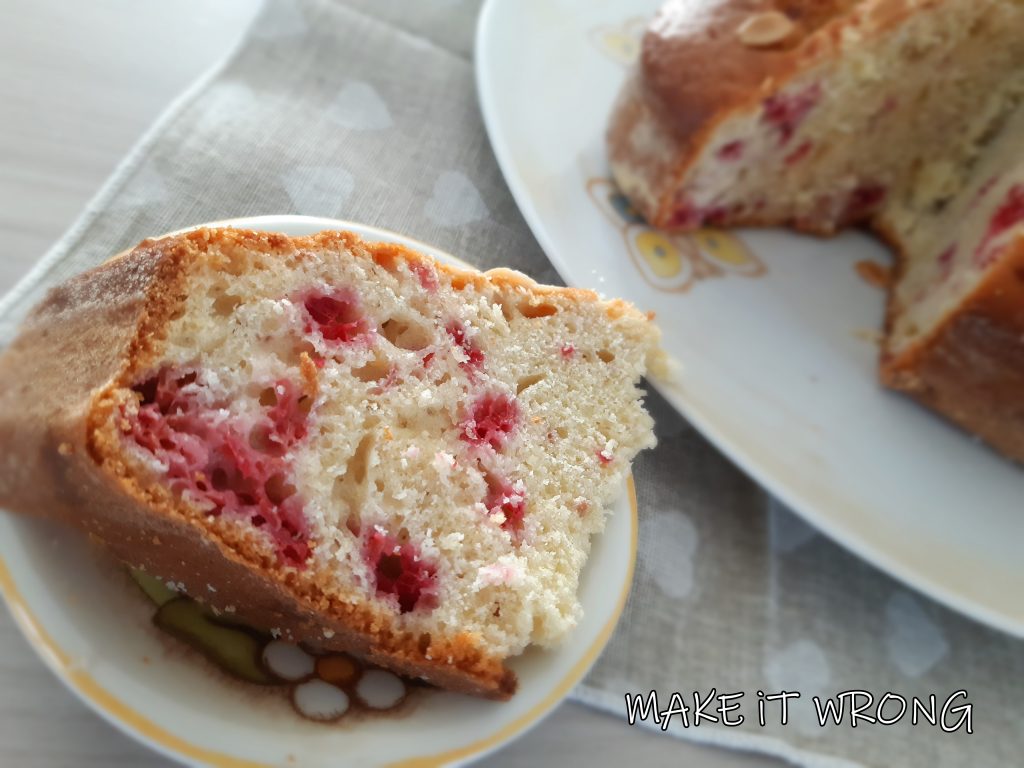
<point>344,443</point>
<point>901,115</point>
<point>956,311</point>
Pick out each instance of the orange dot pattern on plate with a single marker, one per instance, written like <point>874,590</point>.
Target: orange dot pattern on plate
<point>337,669</point>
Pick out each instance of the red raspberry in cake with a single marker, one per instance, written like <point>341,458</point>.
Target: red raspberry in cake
<point>945,262</point>
<point>491,420</point>
<point>336,316</point>
<point>223,466</point>
<point>400,572</point>
<point>863,201</point>
<point>474,357</point>
<point>787,111</point>
<point>800,152</point>
<point>508,499</point>
<point>1009,214</point>
<point>731,151</point>
<point>568,352</point>
<point>426,275</point>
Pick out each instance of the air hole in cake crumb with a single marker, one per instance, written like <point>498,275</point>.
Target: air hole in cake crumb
<point>268,397</point>
<point>537,310</point>
<point>225,304</point>
<point>424,643</point>
<point>278,488</point>
<point>526,382</point>
<point>271,325</point>
<point>605,356</point>
<point>261,439</point>
<point>360,459</point>
<point>378,368</point>
<point>507,311</point>
<point>406,335</point>
<point>236,266</point>
<point>290,351</point>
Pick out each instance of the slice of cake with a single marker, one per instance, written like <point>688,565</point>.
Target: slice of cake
<point>343,443</point>
<point>809,113</point>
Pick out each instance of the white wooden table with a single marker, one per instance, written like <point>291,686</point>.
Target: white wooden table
<point>81,82</point>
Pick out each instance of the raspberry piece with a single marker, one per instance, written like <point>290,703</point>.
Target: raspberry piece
<point>426,275</point>
<point>689,215</point>
<point>337,316</point>
<point>863,201</point>
<point>474,356</point>
<point>731,151</point>
<point>510,500</point>
<point>945,261</point>
<point>799,153</point>
<point>399,571</point>
<point>686,216</point>
<point>492,419</point>
<point>220,465</point>
<point>289,414</point>
<point>1010,213</point>
<point>716,214</point>
<point>568,352</point>
<point>1007,216</point>
<point>786,111</point>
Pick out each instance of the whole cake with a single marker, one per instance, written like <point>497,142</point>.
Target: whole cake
<point>342,443</point>
<point>902,115</point>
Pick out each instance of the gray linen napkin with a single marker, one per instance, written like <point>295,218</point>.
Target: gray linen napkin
<point>366,110</point>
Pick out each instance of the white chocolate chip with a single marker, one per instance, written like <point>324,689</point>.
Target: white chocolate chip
<point>764,29</point>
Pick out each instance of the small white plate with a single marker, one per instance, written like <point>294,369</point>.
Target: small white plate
<point>774,334</point>
<point>92,628</point>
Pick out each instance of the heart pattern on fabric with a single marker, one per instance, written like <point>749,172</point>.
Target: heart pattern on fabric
<point>455,201</point>
<point>915,643</point>
<point>318,190</point>
<point>668,542</point>
<point>359,107</point>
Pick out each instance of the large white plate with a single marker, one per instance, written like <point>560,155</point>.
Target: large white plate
<point>92,628</point>
<point>773,332</point>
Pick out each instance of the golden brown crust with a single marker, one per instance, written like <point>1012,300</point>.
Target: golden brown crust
<point>61,385</point>
<point>695,71</point>
<point>971,367</point>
